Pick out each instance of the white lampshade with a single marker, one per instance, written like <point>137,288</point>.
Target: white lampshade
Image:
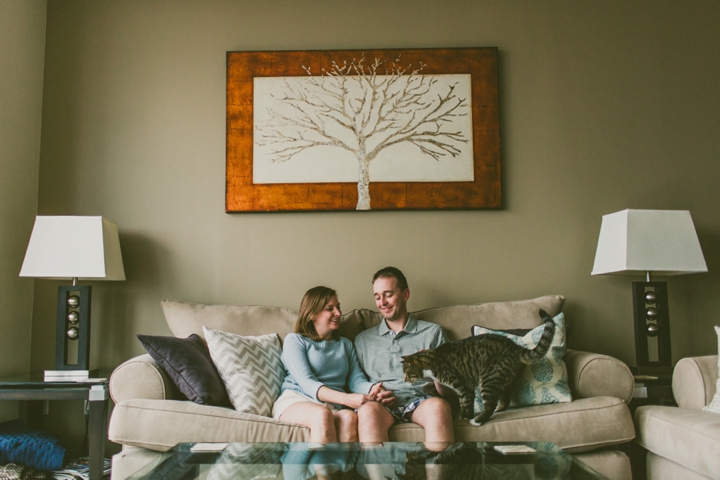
<point>65,247</point>
<point>634,242</point>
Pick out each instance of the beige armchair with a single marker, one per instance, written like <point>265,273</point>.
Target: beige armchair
<point>683,442</point>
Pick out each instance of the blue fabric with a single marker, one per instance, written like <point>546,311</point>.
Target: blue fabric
<point>32,448</point>
<point>312,364</point>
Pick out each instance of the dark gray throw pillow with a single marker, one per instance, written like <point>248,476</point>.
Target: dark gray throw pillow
<point>187,361</point>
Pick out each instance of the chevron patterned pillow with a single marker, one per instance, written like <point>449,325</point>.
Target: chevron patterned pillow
<point>250,368</point>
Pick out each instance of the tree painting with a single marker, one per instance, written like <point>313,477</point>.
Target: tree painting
<point>365,109</point>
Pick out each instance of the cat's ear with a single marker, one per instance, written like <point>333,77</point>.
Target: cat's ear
<point>403,357</point>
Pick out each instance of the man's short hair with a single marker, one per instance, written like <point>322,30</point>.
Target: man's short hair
<point>392,272</point>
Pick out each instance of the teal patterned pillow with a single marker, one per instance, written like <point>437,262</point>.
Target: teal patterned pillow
<point>545,381</point>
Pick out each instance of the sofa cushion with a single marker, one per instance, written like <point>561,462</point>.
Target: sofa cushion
<point>250,367</point>
<point>457,320</point>
<point>578,426</point>
<point>690,438</point>
<point>659,468</point>
<point>545,381</point>
<point>185,318</point>
<point>187,361</point>
<point>161,424</point>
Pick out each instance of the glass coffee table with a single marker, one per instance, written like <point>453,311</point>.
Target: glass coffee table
<point>391,460</point>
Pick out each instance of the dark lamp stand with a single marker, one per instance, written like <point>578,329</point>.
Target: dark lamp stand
<point>72,334</point>
<point>73,327</point>
<point>652,328</point>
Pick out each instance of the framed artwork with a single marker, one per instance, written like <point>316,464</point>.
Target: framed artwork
<point>363,130</point>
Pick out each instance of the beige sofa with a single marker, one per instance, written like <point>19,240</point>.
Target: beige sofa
<point>150,415</point>
<point>684,441</point>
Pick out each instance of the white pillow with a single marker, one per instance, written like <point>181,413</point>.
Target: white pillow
<point>715,404</point>
<point>250,368</point>
<point>543,382</point>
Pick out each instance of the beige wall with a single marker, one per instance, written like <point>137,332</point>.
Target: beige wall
<point>22,49</point>
<point>604,106</point>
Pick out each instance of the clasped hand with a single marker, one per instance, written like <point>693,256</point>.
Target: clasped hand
<point>377,393</point>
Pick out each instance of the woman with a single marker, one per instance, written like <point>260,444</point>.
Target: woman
<point>320,364</point>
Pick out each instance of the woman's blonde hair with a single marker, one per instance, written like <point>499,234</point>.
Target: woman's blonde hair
<point>313,303</point>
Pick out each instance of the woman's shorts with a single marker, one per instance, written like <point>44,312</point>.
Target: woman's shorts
<point>290,397</point>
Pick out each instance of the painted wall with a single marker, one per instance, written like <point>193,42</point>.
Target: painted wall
<point>604,106</point>
<point>22,51</point>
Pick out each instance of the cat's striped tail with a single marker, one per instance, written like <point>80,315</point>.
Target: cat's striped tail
<point>532,356</point>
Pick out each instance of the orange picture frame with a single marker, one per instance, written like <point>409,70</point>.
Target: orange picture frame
<point>483,192</point>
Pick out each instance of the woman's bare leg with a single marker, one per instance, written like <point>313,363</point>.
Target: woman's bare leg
<point>318,418</point>
<point>346,425</point>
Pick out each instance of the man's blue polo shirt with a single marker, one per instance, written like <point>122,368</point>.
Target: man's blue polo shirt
<point>379,350</point>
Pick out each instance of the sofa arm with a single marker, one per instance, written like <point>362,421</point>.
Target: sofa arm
<point>694,381</point>
<point>141,377</point>
<point>596,375</point>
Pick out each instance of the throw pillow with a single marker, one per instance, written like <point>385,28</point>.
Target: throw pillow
<point>714,406</point>
<point>250,368</point>
<point>187,361</point>
<point>545,381</point>
<point>33,448</point>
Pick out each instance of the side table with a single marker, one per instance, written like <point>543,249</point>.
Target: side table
<point>652,390</point>
<point>95,392</point>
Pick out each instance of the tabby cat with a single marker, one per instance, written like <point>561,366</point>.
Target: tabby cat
<point>490,362</point>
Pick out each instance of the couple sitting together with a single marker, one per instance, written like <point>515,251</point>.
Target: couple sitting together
<point>347,397</point>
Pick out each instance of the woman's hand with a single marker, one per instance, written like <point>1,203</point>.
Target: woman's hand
<point>356,400</point>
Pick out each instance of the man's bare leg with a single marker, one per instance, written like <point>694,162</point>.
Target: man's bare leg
<point>435,416</point>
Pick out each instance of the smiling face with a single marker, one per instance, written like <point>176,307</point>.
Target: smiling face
<point>390,299</point>
<point>328,320</point>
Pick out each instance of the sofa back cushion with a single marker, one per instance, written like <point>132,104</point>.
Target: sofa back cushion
<point>185,318</point>
<point>458,320</point>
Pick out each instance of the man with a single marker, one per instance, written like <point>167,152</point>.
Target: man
<point>379,350</point>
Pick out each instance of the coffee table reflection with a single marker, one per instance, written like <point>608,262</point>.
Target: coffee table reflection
<point>345,461</point>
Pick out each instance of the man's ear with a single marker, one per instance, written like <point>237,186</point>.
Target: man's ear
<point>406,294</point>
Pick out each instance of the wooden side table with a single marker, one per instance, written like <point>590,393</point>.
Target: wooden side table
<point>652,390</point>
<point>94,392</point>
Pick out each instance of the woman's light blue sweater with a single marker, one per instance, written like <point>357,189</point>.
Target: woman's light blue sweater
<point>312,364</point>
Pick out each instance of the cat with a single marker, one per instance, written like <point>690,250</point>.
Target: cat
<point>466,461</point>
<point>490,362</point>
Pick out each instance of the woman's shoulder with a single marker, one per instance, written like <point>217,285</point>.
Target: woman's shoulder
<point>346,343</point>
<point>296,338</point>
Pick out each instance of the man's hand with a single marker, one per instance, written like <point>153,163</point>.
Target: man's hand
<point>382,395</point>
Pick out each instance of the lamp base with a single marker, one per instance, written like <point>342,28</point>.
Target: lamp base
<point>652,328</point>
<point>72,333</point>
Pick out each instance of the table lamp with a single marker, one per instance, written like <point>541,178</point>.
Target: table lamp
<point>71,247</point>
<point>649,242</point>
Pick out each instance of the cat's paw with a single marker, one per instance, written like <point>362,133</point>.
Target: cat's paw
<point>475,423</point>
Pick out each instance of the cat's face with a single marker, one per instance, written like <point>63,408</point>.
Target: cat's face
<point>412,368</point>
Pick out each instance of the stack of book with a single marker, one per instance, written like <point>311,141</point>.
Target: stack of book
<point>70,375</point>
<point>79,469</point>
